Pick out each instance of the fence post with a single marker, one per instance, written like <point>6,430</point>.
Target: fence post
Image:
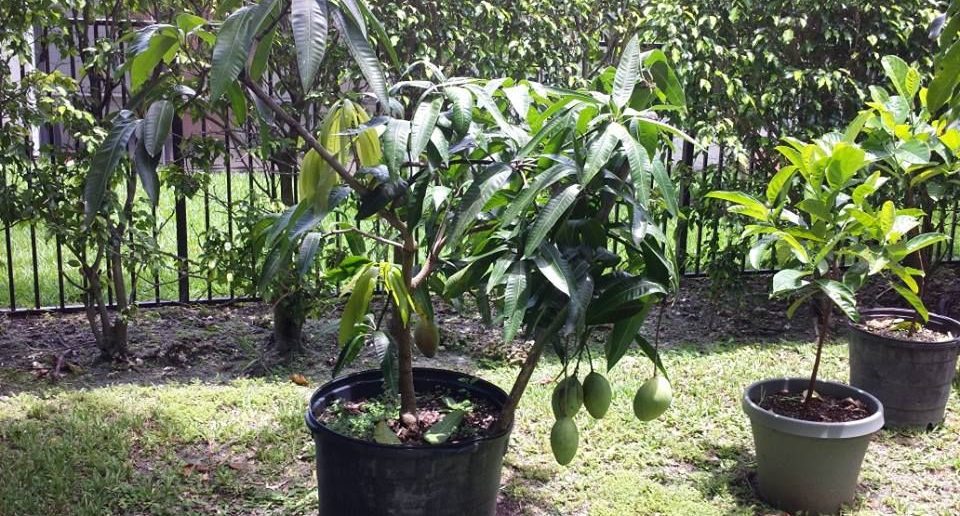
<point>682,224</point>
<point>180,216</point>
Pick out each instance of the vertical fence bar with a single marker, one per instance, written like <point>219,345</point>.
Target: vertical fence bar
<point>206,195</point>
<point>180,216</point>
<point>682,224</point>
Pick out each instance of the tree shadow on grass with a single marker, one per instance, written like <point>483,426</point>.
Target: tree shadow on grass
<point>98,452</point>
<point>730,471</point>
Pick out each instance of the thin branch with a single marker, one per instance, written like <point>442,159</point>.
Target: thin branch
<point>366,234</point>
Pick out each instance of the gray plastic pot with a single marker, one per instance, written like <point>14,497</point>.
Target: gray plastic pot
<point>805,465</point>
<point>911,379</point>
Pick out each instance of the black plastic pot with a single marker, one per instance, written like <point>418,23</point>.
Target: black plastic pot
<point>357,477</point>
<point>805,465</point>
<point>911,379</point>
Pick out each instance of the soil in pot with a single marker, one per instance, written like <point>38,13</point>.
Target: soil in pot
<point>903,329</point>
<point>823,409</point>
<point>359,418</point>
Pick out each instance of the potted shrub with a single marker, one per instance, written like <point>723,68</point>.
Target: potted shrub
<point>542,199</point>
<point>811,435</point>
<point>907,358</point>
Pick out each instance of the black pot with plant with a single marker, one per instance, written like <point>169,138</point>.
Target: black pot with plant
<point>908,358</point>
<point>547,201</point>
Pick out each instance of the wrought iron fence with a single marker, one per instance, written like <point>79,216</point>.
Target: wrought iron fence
<point>36,274</point>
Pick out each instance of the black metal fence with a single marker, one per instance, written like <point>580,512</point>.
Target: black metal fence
<point>38,277</point>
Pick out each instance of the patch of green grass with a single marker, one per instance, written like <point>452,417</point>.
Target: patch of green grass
<point>242,447</point>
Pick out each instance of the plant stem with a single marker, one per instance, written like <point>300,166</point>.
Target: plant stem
<point>401,335</point>
<point>823,326</point>
<point>526,371</point>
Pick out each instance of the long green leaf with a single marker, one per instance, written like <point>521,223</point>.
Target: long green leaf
<point>628,72</point>
<point>421,128</point>
<point>555,268</point>
<point>231,50</point>
<point>156,126</point>
<point>514,300</point>
<point>600,152</point>
<point>308,251</point>
<point>365,57</point>
<point>623,333</point>
<point>625,298</point>
<point>529,192</point>
<point>357,304</point>
<point>549,216</point>
<point>461,108</point>
<point>146,166</point>
<point>477,196</point>
<point>105,161</point>
<point>640,166</point>
<point>395,139</point>
<point>308,18</point>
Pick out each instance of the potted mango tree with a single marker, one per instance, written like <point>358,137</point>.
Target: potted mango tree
<point>540,198</point>
<point>907,358</point>
<point>819,214</point>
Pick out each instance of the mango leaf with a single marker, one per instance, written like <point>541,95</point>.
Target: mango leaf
<point>461,106</point>
<point>357,304</point>
<point>105,161</point>
<point>393,280</point>
<point>156,45</point>
<point>628,73</point>
<point>308,18</point>
<point>146,166</point>
<point>520,100</point>
<point>308,251</point>
<point>529,192</point>
<point>623,334</point>
<point>348,353</point>
<point>421,129</point>
<point>515,296</point>
<point>356,40</point>
<point>231,50</point>
<point>600,152</point>
<point>480,192</point>
<point>623,299</point>
<point>395,140</point>
<point>547,219</point>
<point>640,166</point>
<point>554,267</point>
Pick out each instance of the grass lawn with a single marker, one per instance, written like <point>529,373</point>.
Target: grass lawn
<point>240,447</point>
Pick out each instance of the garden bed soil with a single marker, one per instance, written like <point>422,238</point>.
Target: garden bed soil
<point>821,409</point>
<point>889,327</point>
<point>431,408</point>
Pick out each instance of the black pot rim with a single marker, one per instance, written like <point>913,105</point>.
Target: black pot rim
<point>815,429</point>
<point>372,374</point>
<point>951,325</point>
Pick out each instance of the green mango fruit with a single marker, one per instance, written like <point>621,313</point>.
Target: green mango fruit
<point>564,439</point>
<point>653,398</point>
<point>567,397</point>
<point>426,336</point>
<point>596,394</point>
